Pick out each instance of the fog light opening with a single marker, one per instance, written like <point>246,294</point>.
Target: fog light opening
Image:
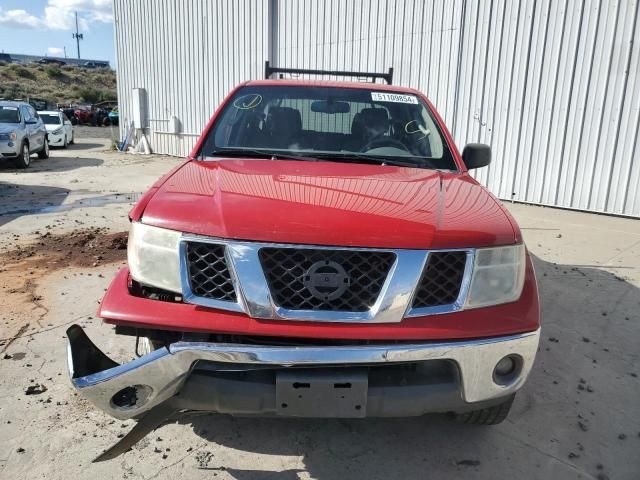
<point>131,397</point>
<point>507,370</point>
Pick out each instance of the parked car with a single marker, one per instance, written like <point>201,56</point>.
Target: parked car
<point>70,113</point>
<point>22,133</point>
<point>59,128</point>
<point>323,252</point>
<point>92,64</point>
<point>39,103</point>
<point>101,116</point>
<point>114,116</point>
<point>85,115</point>
<point>51,61</point>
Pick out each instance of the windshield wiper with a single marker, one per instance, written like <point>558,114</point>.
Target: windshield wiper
<point>361,158</point>
<point>351,157</point>
<point>244,152</point>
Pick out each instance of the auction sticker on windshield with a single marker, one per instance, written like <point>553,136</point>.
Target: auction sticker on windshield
<point>393,97</point>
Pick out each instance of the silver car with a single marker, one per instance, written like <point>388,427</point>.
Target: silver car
<point>22,133</point>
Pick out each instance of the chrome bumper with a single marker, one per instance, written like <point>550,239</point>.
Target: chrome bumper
<point>160,375</point>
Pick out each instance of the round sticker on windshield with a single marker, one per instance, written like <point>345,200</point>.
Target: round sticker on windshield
<point>247,102</point>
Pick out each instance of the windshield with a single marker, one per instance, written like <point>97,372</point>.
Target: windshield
<point>9,115</point>
<point>50,119</point>
<point>328,123</point>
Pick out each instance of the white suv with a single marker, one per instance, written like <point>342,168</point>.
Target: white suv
<point>22,133</point>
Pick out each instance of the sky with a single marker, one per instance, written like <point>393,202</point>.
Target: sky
<point>45,27</point>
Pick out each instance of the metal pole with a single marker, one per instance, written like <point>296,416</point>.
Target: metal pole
<point>77,36</point>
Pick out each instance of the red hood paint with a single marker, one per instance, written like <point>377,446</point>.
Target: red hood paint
<point>329,203</point>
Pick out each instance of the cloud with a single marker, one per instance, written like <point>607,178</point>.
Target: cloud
<point>55,51</point>
<point>18,19</point>
<point>60,15</point>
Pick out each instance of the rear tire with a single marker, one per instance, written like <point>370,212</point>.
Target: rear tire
<point>44,153</point>
<point>72,141</point>
<point>24,160</point>
<point>487,416</point>
<point>65,144</point>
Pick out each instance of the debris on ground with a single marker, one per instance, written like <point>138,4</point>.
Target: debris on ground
<point>80,248</point>
<point>36,389</point>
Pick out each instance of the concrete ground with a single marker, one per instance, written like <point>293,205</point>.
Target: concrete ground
<point>60,222</point>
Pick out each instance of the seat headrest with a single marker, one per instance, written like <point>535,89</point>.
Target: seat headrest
<point>372,121</point>
<point>356,125</point>
<point>284,118</point>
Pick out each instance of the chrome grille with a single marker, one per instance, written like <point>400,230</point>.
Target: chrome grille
<point>353,278</point>
<point>441,279</point>
<point>209,274</point>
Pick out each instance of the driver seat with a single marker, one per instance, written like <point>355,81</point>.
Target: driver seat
<point>367,125</point>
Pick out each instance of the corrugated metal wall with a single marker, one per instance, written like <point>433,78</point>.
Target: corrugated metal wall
<point>187,55</point>
<point>552,85</point>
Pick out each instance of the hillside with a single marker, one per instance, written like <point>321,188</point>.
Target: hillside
<point>64,84</point>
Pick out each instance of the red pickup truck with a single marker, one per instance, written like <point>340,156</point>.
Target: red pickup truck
<point>323,252</point>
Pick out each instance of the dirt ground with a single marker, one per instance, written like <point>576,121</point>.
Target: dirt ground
<point>62,238</point>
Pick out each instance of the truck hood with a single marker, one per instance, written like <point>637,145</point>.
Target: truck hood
<point>329,203</point>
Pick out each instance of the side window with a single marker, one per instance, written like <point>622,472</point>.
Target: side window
<point>25,114</point>
<point>33,113</point>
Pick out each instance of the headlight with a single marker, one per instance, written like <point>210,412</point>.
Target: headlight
<point>57,131</point>
<point>498,276</point>
<point>153,256</point>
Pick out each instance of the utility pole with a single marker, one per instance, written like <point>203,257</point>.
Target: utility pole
<point>77,36</point>
<point>65,51</point>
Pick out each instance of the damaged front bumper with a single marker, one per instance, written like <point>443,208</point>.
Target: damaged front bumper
<point>248,379</point>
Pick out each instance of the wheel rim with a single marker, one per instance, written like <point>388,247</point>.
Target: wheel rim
<point>25,155</point>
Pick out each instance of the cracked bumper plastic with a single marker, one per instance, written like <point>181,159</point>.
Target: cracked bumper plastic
<point>161,374</point>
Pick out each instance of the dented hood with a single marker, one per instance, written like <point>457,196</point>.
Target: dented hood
<point>329,203</point>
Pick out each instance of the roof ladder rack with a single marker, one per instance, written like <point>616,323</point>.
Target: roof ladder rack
<point>387,77</point>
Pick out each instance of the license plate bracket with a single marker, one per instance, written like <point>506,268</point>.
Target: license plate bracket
<point>322,393</point>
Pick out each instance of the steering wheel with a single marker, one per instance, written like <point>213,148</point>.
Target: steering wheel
<point>384,142</point>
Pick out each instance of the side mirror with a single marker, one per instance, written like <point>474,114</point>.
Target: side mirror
<point>476,155</point>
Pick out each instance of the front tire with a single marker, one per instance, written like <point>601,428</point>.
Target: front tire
<point>487,416</point>
<point>65,143</point>
<point>24,160</point>
<point>44,153</point>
